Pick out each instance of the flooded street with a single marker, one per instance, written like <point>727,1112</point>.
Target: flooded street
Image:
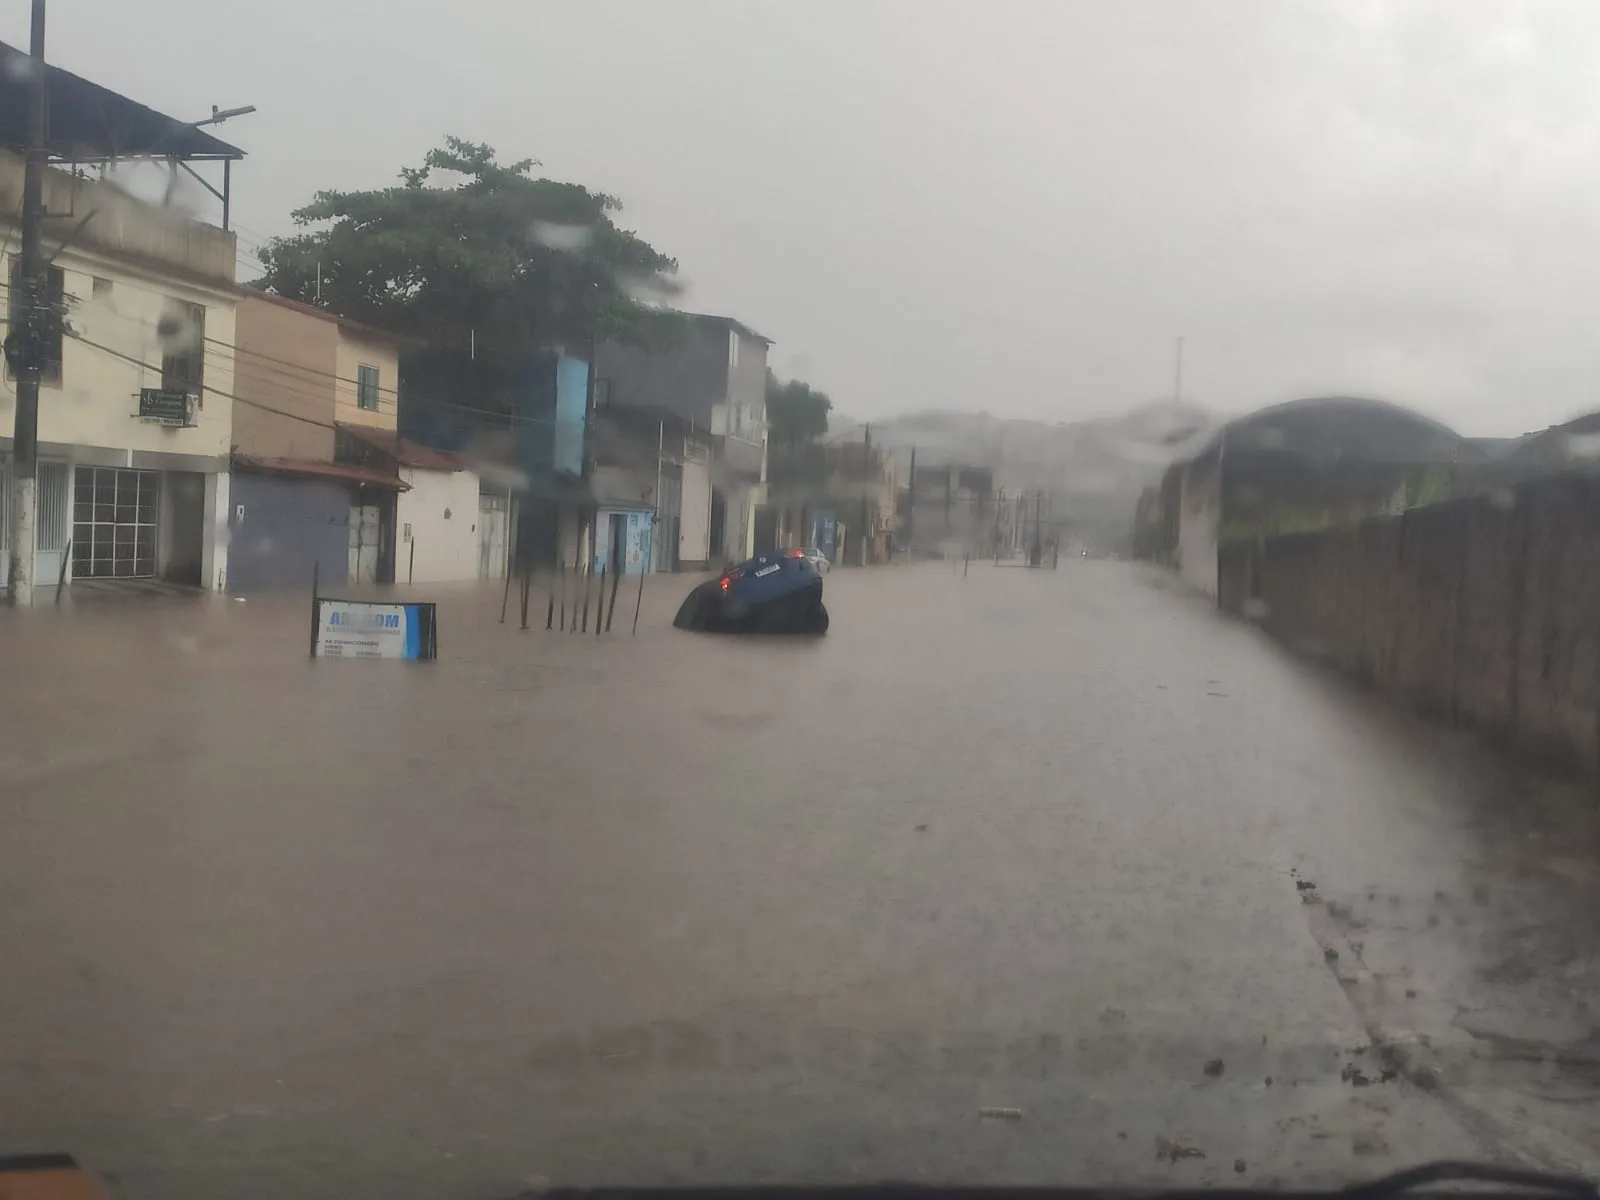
<point>668,908</point>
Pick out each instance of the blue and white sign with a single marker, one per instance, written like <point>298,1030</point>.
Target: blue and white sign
<point>356,629</point>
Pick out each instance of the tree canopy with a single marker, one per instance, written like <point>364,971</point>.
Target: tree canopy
<point>465,247</point>
<point>796,412</point>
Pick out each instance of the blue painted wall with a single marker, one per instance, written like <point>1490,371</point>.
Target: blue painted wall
<point>288,525</point>
<point>637,551</point>
<point>572,399</point>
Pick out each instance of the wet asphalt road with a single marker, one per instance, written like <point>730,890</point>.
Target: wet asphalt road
<point>673,908</point>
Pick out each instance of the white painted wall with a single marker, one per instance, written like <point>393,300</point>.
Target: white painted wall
<point>446,546</point>
<point>694,527</point>
<point>214,553</point>
<point>94,403</point>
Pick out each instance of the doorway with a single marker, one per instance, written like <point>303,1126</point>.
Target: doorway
<point>618,545</point>
<point>366,541</point>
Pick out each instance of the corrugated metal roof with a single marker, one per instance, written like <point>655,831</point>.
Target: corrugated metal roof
<point>89,122</point>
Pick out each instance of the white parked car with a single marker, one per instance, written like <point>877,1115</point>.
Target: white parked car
<point>817,559</point>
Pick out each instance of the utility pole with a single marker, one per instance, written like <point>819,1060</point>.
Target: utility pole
<point>1036,554</point>
<point>868,477</point>
<point>911,503</point>
<point>25,347</point>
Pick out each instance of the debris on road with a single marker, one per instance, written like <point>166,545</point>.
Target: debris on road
<point>1240,1166</point>
<point>1214,1068</point>
<point>1173,1149</point>
<point>1000,1113</point>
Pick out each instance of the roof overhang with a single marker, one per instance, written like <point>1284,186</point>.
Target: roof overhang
<point>93,124</point>
<point>311,469</point>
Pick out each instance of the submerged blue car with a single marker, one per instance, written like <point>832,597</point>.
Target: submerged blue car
<point>780,592</point>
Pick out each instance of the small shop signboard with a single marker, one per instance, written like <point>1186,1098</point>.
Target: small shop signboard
<point>360,629</point>
<point>165,407</point>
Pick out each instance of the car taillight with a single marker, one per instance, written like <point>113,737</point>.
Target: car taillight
<point>796,554</point>
<point>728,578</point>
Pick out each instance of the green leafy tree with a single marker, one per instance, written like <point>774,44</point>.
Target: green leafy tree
<point>467,248</point>
<point>797,420</point>
<point>797,413</point>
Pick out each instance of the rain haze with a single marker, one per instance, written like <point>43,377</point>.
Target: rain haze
<point>1071,658</point>
<point>1013,208</point>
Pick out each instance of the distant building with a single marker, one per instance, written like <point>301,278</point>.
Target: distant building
<point>652,489</point>
<point>716,381</point>
<point>953,508</point>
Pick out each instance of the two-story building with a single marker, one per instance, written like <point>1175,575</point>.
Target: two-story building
<point>322,479</point>
<point>652,489</point>
<point>135,405</point>
<point>715,379</point>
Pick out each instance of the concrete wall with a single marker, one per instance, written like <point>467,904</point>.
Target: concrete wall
<point>1199,518</point>
<point>442,510</point>
<point>122,227</point>
<point>288,525</point>
<point>633,556</point>
<point>747,389</point>
<point>690,379</point>
<point>285,361</point>
<point>95,401</point>
<point>694,530</point>
<point>1482,611</point>
<point>354,350</point>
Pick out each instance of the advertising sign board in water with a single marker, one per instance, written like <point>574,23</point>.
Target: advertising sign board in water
<point>357,629</point>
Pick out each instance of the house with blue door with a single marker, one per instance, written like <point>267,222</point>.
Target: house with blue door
<point>652,483</point>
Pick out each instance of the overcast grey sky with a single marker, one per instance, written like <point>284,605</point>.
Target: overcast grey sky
<point>1002,205</point>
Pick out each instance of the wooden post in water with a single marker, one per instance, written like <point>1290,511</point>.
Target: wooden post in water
<point>66,561</point>
<point>638,600</point>
<point>587,576</point>
<point>616,579</point>
<point>561,575</point>
<point>600,601</point>
<point>316,611</point>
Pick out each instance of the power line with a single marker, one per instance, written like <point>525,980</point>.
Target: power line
<point>138,362</point>
<point>237,399</point>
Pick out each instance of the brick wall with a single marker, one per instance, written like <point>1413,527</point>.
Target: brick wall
<point>1484,611</point>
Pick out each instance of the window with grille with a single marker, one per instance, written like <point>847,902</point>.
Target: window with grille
<point>114,519</point>
<point>53,332</point>
<point>183,367</point>
<point>367,388</point>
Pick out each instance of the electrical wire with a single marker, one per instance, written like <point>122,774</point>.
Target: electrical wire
<point>237,399</point>
<point>319,374</point>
